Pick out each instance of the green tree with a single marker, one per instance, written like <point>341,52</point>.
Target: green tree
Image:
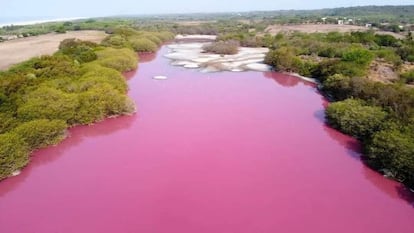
<point>392,151</point>
<point>355,118</point>
<point>14,154</point>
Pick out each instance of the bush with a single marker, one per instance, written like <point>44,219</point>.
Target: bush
<point>407,77</point>
<point>14,154</point>
<point>115,41</point>
<point>358,55</point>
<point>119,59</point>
<point>143,45</point>
<point>337,86</point>
<point>82,51</point>
<point>386,40</point>
<point>102,101</point>
<point>222,47</point>
<point>355,118</point>
<point>153,38</point>
<point>48,103</point>
<point>41,133</point>
<point>94,75</point>
<point>283,59</point>
<point>392,151</point>
<point>7,122</point>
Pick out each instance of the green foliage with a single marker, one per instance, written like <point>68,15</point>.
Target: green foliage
<point>80,84</point>
<point>40,133</point>
<point>408,77</point>
<point>119,59</point>
<point>222,47</point>
<point>283,59</point>
<point>355,118</point>
<point>7,122</point>
<point>82,51</point>
<point>337,86</point>
<point>386,40</point>
<point>14,154</point>
<point>358,56</point>
<point>143,45</point>
<point>115,41</point>
<point>48,103</point>
<point>406,52</point>
<point>53,66</point>
<point>101,101</point>
<point>392,151</point>
<point>94,75</point>
<point>389,56</point>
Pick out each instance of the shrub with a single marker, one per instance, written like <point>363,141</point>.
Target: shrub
<point>14,154</point>
<point>358,55</point>
<point>143,45</point>
<point>153,38</point>
<point>164,36</point>
<point>119,59</point>
<point>41,133</point>
<point>102,101</point>
<point>392,151</point>
<point>355,118</point>
<point>337,86</point>
<point>48,103</point>
<point>82,51</point>
<point>386,40</point>
<point>222,47</point>
<point>283,59</point>
<point>54,66</point>
<point>407,77</point>
<point>7,122</point>
<point>116,41</point>
<point>94,74</point>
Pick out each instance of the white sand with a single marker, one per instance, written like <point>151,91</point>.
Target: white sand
<point>191,55</point>
<point>160,77</point>
<point>183,37</point>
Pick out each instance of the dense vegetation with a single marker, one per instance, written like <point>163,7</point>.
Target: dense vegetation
<point>82,83</point>
<point>379,114</point>
<point>222,47</point>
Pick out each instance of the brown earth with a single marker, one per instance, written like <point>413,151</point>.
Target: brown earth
<point>18,50</point>
<point>382,72</point>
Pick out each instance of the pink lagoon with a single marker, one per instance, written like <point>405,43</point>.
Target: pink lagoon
<point>226,152</point>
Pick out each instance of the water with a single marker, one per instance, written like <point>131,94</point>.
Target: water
<point>223,152</point>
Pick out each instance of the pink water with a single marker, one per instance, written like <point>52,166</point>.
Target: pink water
<point>206,153</point>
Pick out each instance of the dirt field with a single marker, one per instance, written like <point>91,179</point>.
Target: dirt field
<point>322,28</point>
<point>18,50</point>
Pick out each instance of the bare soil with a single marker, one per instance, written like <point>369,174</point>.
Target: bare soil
<point>382,72</point>
<point>18,50</point>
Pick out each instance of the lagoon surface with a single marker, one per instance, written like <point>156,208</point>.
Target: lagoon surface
<point>228,152</point>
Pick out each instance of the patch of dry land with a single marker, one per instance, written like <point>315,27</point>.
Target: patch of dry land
<point>322,28</point>
<point>191,55</point>
<point>18,50</point>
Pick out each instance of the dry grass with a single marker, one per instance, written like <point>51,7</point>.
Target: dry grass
<point>15,51</point>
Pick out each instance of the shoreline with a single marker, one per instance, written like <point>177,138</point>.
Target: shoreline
<point>40,21</point>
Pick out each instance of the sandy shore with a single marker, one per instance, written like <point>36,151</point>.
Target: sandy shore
<point>15,51</point>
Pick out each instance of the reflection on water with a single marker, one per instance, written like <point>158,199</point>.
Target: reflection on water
<point>76,136</point>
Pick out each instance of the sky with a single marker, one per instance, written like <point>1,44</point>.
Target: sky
<point>94,8</point>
